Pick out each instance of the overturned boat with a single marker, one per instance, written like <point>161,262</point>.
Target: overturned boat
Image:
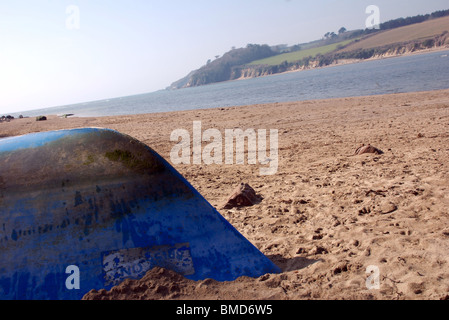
<point>85,209</point>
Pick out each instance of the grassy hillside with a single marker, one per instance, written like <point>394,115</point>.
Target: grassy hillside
<point>419,31</point>
<point>299,55</point>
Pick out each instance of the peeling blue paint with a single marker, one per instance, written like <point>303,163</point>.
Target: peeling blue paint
<point>83,209</point>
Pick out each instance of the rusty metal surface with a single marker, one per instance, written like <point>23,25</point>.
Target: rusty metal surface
<point>109,205</point>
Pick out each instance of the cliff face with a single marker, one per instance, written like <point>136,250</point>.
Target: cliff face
<point>441,41</point>
<point>250,72</point>
<point>254,71</point>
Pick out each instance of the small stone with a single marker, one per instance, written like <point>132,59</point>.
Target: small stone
<point>367,149</point>
<point>41,118</point>
<point>242,196</point>
<point>320,250</point>
<point>387,208</point>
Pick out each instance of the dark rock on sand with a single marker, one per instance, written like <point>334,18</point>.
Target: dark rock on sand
<point>242,196</point>
<point>368,149</point>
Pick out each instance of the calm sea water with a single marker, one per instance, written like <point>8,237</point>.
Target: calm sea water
<point>395,75</point>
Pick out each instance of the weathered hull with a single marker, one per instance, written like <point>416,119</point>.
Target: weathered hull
<point>111,207</point>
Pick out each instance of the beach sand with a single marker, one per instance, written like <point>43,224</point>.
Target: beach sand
<point>327,216</point>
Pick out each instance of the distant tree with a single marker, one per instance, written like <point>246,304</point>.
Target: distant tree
<point>439,14</point>
<point>342,30</point>
<point>330,35</point>
<point>296,47</point>
<point>226,66</point>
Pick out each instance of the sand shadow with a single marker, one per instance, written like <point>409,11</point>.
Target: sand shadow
<point>291,264</point>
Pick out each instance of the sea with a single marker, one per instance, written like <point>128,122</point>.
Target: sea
<point>420,72</point>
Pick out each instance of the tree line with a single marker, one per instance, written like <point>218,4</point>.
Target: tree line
<point>402,22</point>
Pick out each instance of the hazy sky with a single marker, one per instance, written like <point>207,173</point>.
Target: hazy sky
<point>61,52</point>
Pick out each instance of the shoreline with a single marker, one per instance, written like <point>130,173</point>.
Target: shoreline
<point>353,61</point>
<point>58,121</point>
<point>345,62</point>
<point>51,116</point>
<point>326,215</point>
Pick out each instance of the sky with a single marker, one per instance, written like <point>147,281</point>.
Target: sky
<point>60,52</point>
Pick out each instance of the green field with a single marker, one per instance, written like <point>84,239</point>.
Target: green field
<point>299,55</point>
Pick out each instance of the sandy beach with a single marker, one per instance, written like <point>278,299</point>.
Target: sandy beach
<point>327,216</point>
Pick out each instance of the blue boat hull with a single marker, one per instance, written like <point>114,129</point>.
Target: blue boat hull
<point>87,208</point>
